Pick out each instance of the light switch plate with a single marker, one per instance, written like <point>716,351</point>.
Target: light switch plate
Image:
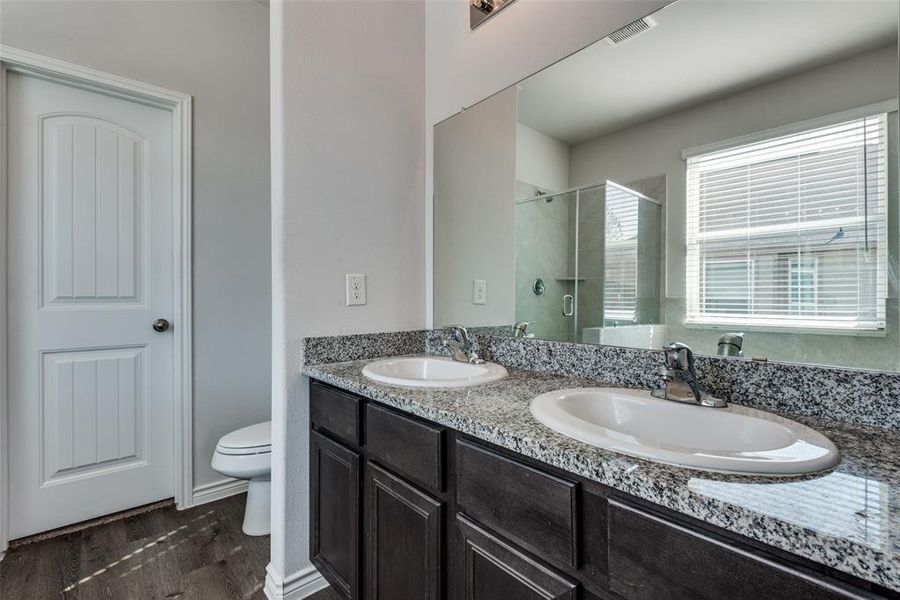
<point>356,289</point>
<point>479,291</point>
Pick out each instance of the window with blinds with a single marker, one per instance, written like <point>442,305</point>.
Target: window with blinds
<point>620,270</point>
<point>790,231</point>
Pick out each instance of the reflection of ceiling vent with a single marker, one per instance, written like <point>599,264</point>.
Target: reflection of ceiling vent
<point>630,31</point>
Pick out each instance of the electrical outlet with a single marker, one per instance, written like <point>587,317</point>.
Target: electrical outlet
<point>356,289</point>
<point>479,291</point>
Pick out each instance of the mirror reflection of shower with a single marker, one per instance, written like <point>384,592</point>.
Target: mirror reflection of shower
<point>597,251</point>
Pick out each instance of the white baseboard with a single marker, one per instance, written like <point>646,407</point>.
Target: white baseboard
<point>301,584</point>
<point>210,492</point>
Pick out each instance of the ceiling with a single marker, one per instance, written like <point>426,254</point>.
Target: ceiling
<point>699,50</point>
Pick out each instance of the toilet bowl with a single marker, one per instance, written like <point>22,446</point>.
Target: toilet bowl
<point>246,454</point>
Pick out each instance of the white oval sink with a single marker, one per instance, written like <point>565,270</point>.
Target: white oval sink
<point>735,439</point>
<point>432,372</point>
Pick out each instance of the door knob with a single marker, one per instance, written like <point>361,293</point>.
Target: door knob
<point>160,325</point>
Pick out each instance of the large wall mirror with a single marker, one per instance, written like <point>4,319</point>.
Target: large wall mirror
<point>720,173</point>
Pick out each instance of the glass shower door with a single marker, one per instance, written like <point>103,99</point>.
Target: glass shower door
<point>546,265</point>
<point>589,261</point>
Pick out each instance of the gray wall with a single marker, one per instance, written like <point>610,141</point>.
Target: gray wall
<point>348,98</point>
<point>474,213</point>
<point>846,84</point>
<point>541,161</point>
<point>218,53</point>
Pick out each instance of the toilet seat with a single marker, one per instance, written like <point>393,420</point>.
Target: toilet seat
<point>255,439</point>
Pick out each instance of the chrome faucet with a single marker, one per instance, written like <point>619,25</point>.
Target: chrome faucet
<point>520,327</point>
<point>680,379</point>
<point>461,346</point>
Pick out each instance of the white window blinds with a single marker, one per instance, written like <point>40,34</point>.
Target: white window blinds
<point>791,231</point>
<point>620,271</point>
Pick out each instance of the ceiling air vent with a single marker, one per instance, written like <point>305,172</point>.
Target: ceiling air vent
<point>630,31</point>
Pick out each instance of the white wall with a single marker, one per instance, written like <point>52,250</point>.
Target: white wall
<point>348,122</point>
<point>541,160</point>
<point>464,66</point>
<point>474,201</point>
<point>217,52</point>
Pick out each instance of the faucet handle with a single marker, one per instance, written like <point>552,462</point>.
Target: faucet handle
<point>679,356</point>
<point>456,350</point>
<point>459,332</point>
<point>680,374</point>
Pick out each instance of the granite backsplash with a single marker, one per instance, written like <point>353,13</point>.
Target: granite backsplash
<point>860,397</point>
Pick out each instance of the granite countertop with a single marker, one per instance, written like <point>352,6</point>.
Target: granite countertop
<point>847,518</point>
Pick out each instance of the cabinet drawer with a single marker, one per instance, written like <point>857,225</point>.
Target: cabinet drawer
<point>534,509</point>
<point>408,446</point>
<point>335,411</point>
<point>651,559</point>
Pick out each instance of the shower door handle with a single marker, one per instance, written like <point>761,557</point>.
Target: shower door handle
<point>568,307</point>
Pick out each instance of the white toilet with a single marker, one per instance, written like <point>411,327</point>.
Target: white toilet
<point>246,454</point>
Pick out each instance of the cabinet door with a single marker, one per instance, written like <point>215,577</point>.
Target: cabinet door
<point>495,570</point>
<point>335,514</point>
<point>404,527</point>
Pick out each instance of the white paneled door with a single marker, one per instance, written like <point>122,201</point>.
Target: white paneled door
<point>90,269</point>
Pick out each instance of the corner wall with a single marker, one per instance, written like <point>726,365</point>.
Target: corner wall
<point>348,99</point>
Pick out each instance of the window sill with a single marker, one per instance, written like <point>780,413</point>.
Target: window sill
<point>786,329</point>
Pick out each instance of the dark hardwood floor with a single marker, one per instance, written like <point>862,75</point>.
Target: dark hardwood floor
<point>197,554</point>
<point>200,553</point>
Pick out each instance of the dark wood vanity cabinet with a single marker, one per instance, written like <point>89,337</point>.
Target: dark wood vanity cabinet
<point>377,528</point>
<point>404,509</point>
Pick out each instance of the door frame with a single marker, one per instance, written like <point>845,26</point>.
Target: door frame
<point>15,60</point>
